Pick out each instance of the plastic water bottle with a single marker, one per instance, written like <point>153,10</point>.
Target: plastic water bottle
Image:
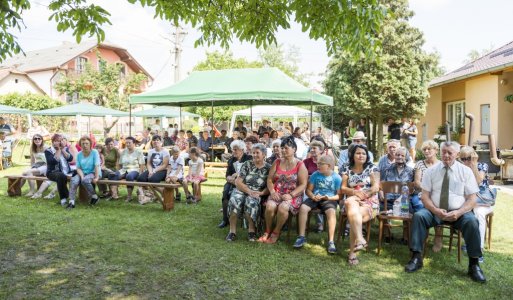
<point>405,200</point>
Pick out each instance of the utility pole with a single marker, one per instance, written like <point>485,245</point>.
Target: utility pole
<point>179,36</point>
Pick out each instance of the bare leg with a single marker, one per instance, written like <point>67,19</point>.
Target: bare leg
<point>270,212</point>
<point>251,224</point>
<point>303,218</point>
<point>437,246</point>
<point>332,223</point>
<point>233,222</point>
<point>283,215</point>
<point>185,185</point>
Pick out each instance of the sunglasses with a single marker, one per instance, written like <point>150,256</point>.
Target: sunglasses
<point>37,139</point>
<point>466,158</point>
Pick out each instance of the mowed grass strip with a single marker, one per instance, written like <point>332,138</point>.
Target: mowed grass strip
<point>125,250</point>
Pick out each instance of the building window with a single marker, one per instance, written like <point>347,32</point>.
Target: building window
<point>80,64</point>
<point>485,119</point>
<point>455,114</point>
<point>16,80</point>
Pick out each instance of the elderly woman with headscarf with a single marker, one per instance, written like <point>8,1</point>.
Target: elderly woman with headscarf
<point>251,186</point>
<point>232,172</point>
<point>286,182</point>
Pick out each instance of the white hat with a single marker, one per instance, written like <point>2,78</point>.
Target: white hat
<point>359,135</point>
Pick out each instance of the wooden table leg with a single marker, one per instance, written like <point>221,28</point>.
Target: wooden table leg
<point>14,187</point>
<point>169,199</point>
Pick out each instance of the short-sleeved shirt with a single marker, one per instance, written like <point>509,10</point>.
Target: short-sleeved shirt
<point>343,159</point>
<point>181,143</point>
<point>130,161</point>
<point>254,178</point>
<point>175,164</point>
<point>193,140</point>
<point>194,166</point>
<point>362,179</point>
<point>88,164</point>
<point>421,165</point>
<point>205,145</point>
<point>392,174</point>
<point>325,185</point>
<point>111,158</point>
<point>156,158</point>
<point>310,165</point>
<point>394,131</point>
<point>383,164</point>
<point>462,182</point>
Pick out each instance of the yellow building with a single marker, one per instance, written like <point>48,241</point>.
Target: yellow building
<point>479,88</point>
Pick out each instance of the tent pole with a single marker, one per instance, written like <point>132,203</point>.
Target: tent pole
<point>212,137</point>
<point>251,116</point>
<point>180,117</point>
<point>311,120</point>
<point>129,119</point>
<point>332,131</point>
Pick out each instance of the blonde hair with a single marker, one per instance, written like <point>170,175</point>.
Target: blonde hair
<point>326,159</point>
<point>174,150</point>
<point>468,151</point>
<point>430,144</point>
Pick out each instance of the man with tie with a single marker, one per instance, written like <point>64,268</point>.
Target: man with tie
<point>449,195</point>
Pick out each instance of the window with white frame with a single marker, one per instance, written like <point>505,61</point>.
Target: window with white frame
<point>80,64</point>
<point>455,114</point>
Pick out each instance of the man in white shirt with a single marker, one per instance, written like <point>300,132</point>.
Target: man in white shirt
<point>449,195</point>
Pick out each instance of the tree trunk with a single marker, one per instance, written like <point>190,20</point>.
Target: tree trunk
<point>379,139</point>
<point>107,129</point>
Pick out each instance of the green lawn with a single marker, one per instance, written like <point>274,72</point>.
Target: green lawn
<point>119,250</point>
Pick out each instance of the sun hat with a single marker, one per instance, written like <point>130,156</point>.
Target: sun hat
<point>359,135</point>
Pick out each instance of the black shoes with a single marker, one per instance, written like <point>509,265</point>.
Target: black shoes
<point>475,272</point>
<point>252,236</point>
<point>223,224</point>
<point>231,237</point>
<point>414,264</point>
<point>178,197</point>
<point>70,206</point>
<point>94,200</point>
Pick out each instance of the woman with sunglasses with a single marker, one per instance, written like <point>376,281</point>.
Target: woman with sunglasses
<point>37,162</point>
<point>360,183</point>
<point>486,196</point>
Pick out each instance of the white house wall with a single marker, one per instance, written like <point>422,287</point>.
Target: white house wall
<point>15,83</point>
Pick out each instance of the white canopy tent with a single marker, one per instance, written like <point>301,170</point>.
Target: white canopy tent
<point>272,112</point>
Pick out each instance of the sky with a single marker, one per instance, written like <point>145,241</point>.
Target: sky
<point>451,27</point>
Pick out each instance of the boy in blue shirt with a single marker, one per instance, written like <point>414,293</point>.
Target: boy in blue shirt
<point>322,193</point>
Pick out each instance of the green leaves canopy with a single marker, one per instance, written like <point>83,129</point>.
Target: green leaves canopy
<point>343,24</point>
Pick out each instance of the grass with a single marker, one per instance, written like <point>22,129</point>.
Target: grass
<point>118,250</point>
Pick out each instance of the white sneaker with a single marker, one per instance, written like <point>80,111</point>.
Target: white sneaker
<point>50,196</point>
<point>29,194</point>
<point>36,196</point>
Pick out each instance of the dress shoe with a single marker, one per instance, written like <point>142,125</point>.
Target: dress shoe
<point>223,224</point>
<point>413,265</point>
<point>476,273</point>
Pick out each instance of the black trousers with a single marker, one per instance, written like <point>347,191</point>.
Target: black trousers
<point>227,190</point>
<point>62,183</point>
<point>156,177</point>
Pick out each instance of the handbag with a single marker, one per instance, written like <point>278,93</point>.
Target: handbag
<point>487,195</point>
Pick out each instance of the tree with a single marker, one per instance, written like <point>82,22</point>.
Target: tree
<point>219,61</point>
<point>275,56</point>
<point>34,102</point>
<point>107,87</point>
<point>394,85</point>
<point>475,54</point>
<point>344,24</point>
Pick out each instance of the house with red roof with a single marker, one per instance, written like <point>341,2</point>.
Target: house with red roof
<point>45,67</point>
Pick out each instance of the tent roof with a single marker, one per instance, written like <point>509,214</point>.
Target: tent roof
<point>163,111</point>
<point>84,109</point>
<point>275,111</point>
<point>6,109</point>
<point>234,86</point>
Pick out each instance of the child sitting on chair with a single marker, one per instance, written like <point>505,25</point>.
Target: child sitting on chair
<point>322,193</point>
<point>175,169</point>
<point>194,176</point>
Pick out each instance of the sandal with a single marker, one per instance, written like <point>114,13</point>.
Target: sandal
<point>360,246</point>
<point>263,238</point>
<point>353,261</point>
<point>273,238</point>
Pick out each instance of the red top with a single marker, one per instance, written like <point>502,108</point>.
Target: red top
<point>310,165</point>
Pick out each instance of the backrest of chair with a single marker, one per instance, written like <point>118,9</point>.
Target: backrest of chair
<point>394,187</point>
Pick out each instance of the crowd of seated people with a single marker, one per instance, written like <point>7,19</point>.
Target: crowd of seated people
<point>267,181</point>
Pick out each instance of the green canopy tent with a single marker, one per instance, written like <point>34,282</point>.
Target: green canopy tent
<point>82,109</point>
<point>262,86</point>
<point>164,112</point>
<point>6,109</point>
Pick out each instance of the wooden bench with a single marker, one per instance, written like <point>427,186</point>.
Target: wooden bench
<point>167,200</point>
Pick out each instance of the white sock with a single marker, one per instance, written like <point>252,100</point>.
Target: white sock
<point>72,202</point>
<point>63,201</point>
